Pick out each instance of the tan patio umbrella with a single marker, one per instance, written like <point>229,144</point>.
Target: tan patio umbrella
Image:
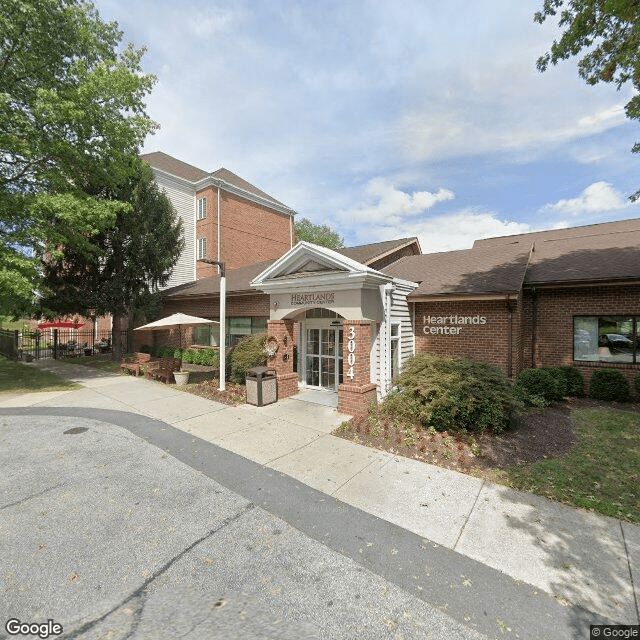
<point>175,320</point>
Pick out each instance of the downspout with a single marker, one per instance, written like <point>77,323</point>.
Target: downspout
<point>219,258</point>
<point>291,231</point>
<point>386,368</point>
<point>510,339</point>
<point>534,328</point>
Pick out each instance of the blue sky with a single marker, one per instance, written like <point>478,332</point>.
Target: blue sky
<point>387,119</point>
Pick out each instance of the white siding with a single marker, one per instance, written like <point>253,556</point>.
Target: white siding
<point>400,313</point>
<point>183,198</point>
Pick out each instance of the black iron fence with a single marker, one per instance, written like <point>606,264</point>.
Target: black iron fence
<point>56,343</point>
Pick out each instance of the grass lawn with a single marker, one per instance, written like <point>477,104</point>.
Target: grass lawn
<point>16,377</point>
<point>601,472</point>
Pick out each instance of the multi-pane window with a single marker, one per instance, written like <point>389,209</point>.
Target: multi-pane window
<point>606,338</point>
<point>202,248</point>
<point>202,208</point>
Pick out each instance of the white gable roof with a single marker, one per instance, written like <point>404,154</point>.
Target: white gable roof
<point>307,265</point>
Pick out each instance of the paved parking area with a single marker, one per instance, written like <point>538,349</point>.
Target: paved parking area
<point>576,557</point>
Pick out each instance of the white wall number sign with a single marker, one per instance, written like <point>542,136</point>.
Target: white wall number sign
<point>352,356</point>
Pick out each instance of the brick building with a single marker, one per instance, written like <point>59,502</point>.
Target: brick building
<point>224,218</point>
<point>346,320</point>
<point>561,297</point>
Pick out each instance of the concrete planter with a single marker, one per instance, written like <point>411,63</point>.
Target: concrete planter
<point>181,377</point>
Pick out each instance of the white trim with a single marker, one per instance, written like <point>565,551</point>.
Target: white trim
<point>210,181</point>
<point>341,273</point>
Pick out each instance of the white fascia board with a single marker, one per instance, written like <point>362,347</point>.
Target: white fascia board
<point>337,282</point>
<point>405,285</point>
<point>304,251</point>
<point>174,178</point>
<point>210,181</point>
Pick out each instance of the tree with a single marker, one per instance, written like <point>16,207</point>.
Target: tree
<point>72,113</point>
<point>117,269</point>
<point>323,235</point>
<point>607,35</point>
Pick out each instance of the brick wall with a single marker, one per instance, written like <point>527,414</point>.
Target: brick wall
<point>481,342</point>
<point>256,304</point>
<point>550,344</point>
<point>282,332</point>
<point>249,232</point>
<point>355,394</point>
<point>236,306</point>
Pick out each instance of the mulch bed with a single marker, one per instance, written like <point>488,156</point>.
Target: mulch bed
<point>540,434</point>
<point>234,394</point>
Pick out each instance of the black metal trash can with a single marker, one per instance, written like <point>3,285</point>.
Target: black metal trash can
<point>261,385</point>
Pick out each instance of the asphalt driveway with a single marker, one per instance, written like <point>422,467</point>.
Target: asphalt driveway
<point>117,526</point>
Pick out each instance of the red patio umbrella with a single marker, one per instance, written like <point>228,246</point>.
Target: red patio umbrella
<point>60,325</point>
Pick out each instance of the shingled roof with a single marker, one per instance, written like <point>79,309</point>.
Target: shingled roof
<point>469,272</point>
<point>369,253</point>
<point>165,162</point>
<point>593,253</point>
<point>237,281</point>
<point>612,254</point>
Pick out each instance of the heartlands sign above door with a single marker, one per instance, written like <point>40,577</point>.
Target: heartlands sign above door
<point>312,299</point>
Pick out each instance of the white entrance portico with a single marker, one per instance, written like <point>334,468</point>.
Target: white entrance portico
<point>345,319</point>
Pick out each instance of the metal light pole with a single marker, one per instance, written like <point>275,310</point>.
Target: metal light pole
<point>223,331</point>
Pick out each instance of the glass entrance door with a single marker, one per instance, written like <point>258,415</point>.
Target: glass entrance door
<point>324,357</point>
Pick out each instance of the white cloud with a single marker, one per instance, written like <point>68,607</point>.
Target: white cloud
<point>387,204</point>
<point>213,22</point>
<point>448,232</point>
<point>597,197</point>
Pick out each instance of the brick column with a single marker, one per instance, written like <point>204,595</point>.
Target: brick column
<point>281,331</point>
<point>355,393</point>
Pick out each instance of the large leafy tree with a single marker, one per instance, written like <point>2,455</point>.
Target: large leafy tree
<point>606,34</point>
<point>323,234</point>
<point>72,114</point>
<point>116,269</point>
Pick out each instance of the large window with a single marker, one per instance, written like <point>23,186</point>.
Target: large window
<point>202,208</point>
<point>606,338</point>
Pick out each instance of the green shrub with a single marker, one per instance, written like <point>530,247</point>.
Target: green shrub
<point>211,357</point>
<point>188,356</point>
<point>539,387</point>
<point>609,384</point>
<point>636,382</point>
<point>574,381</point>
<point>561,379</point>
<point>452,394</point>
<point>246,354</point>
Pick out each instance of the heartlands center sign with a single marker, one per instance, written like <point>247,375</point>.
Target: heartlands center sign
<point>449,325</point>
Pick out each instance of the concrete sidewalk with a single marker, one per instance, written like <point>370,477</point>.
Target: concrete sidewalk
<point>578,557</point>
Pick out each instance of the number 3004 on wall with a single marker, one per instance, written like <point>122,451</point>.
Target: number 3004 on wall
<point>351,345</point>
